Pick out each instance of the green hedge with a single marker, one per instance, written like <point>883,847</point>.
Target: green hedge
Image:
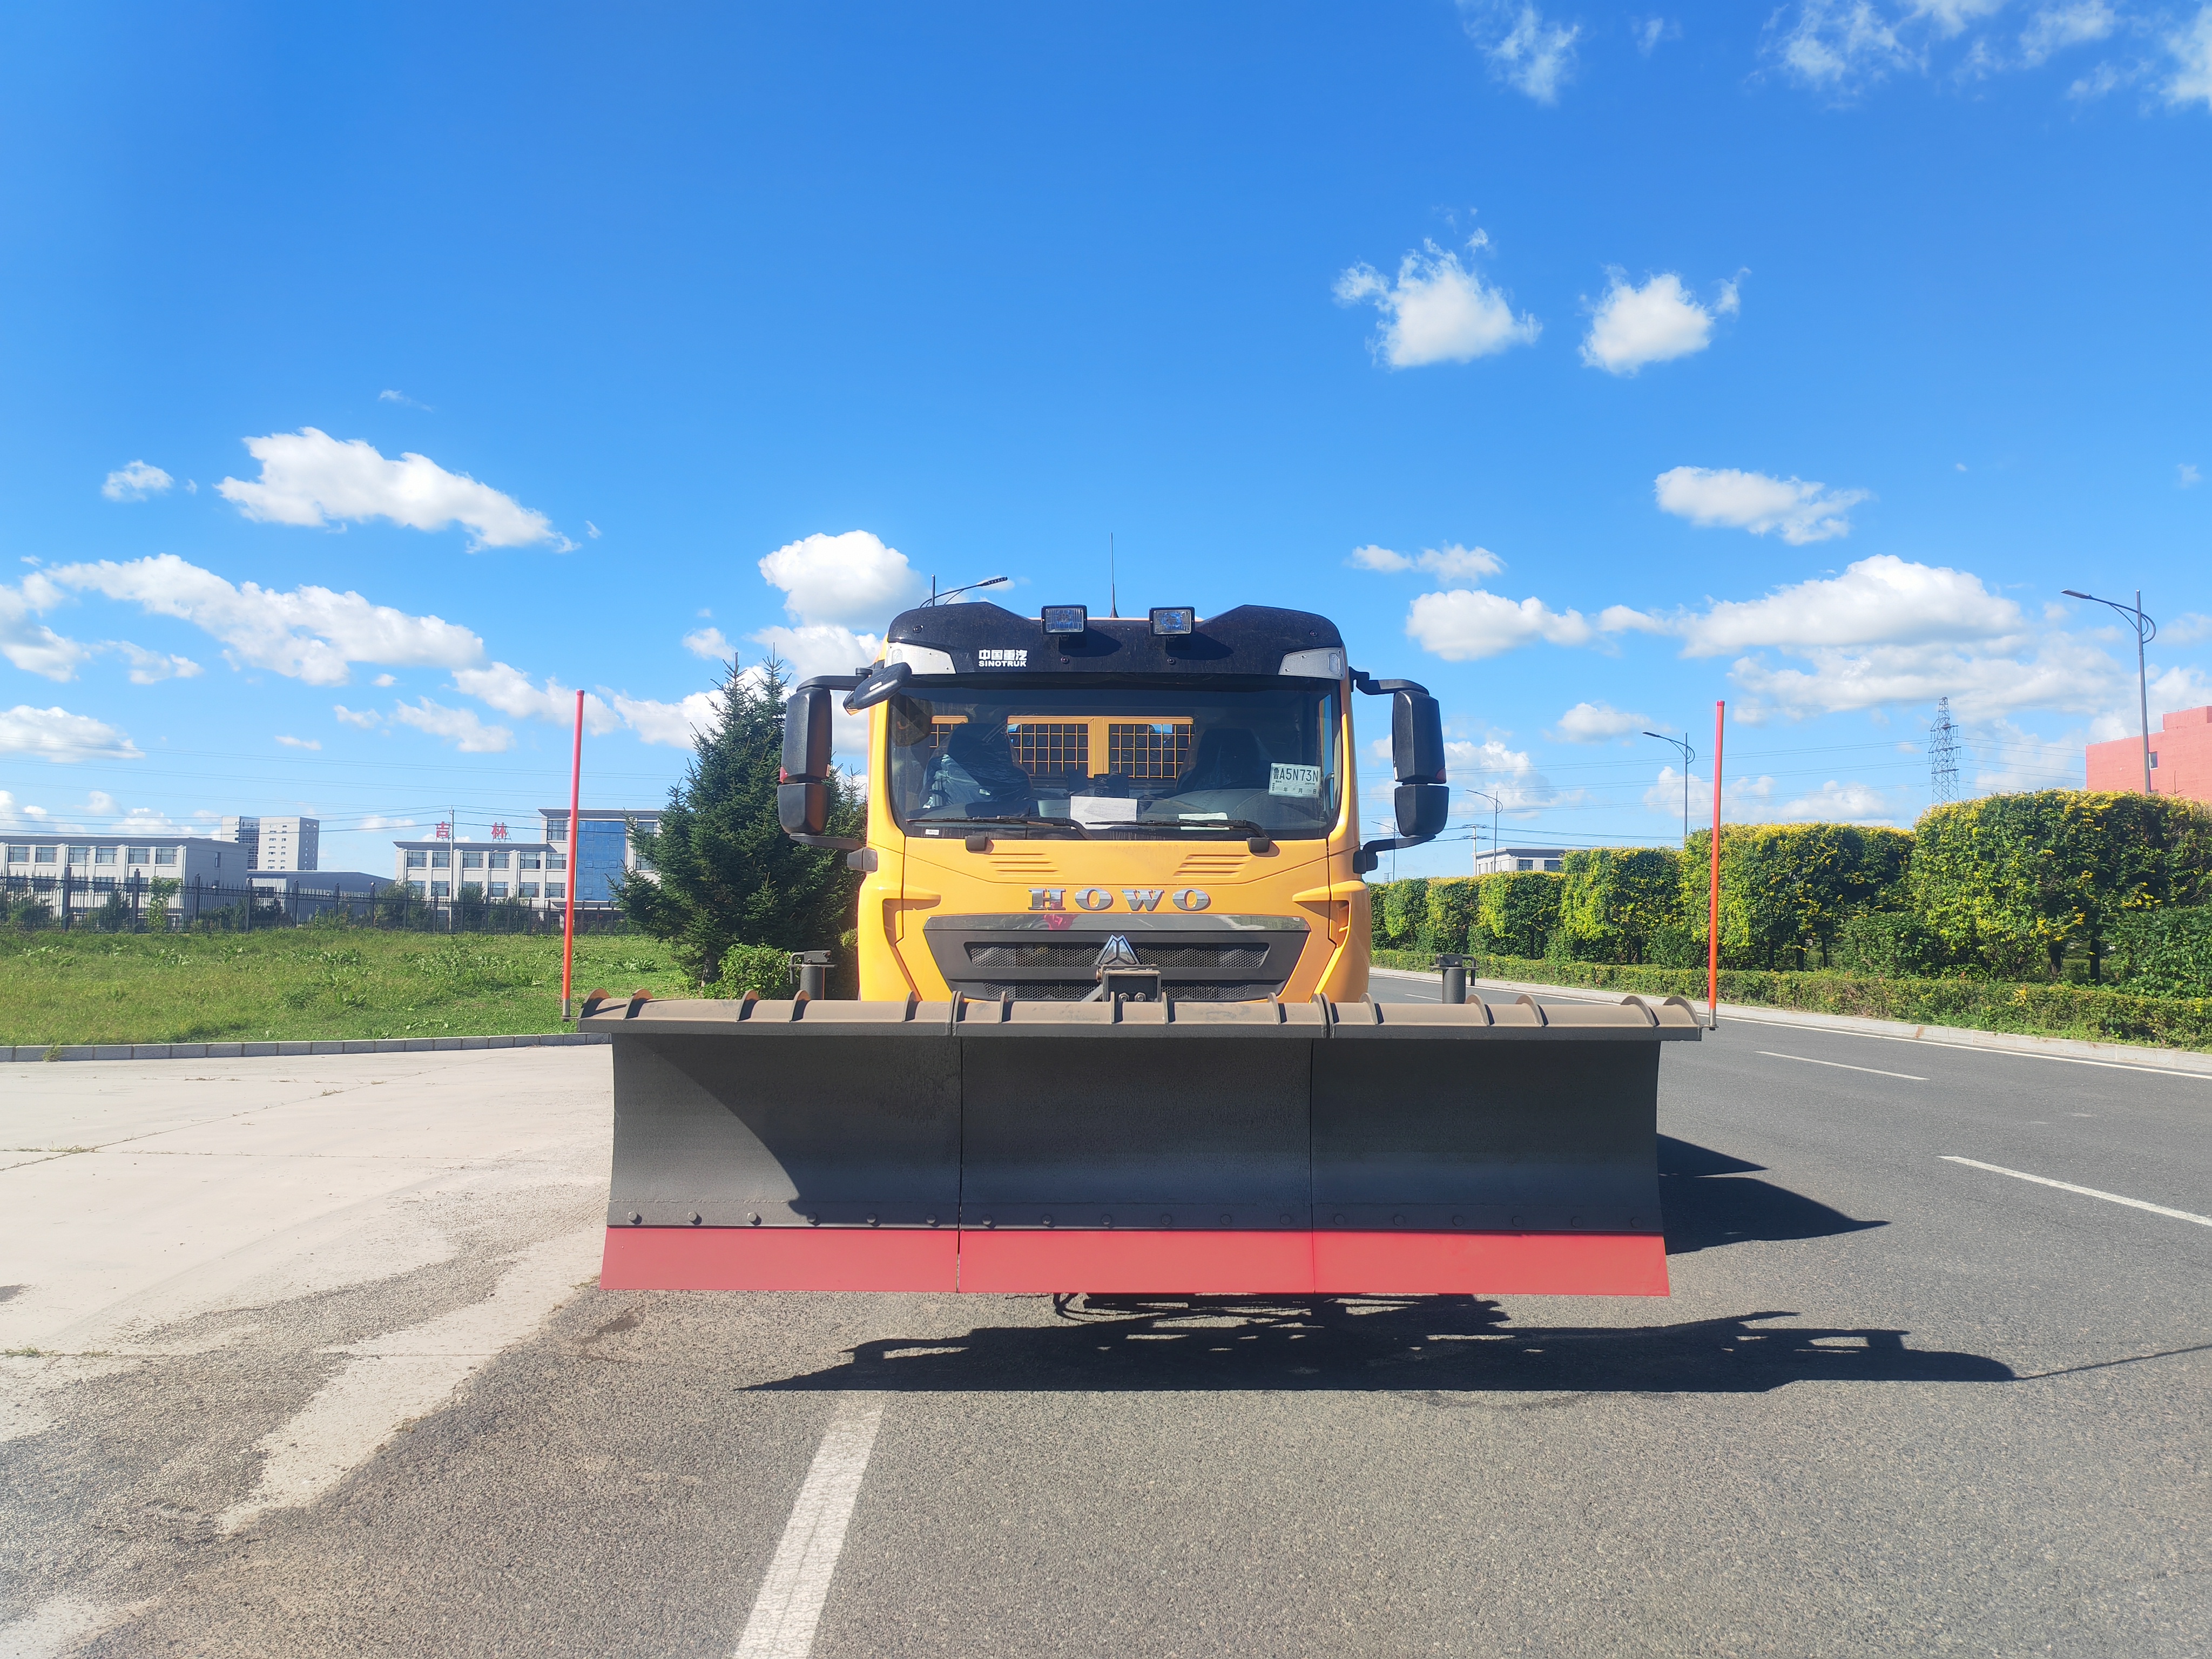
<point>2072,1010</point>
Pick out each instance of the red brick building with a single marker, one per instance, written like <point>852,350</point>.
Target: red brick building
<point>2180,758</point>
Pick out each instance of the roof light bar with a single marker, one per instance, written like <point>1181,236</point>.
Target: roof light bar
<point>1174,621</point>
<point>1062,620</point>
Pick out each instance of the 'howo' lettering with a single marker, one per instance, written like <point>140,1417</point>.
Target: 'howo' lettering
<point>1137,898</point>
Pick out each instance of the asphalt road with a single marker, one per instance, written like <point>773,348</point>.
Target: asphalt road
<point>1896,1404</point>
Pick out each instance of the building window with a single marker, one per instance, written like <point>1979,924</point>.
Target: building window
<point>498,890</point>
<point>529,861</point>
<point>441,859</point>
<point>555,862</point>
<point>43,855</point>
<point>442,889</point>
<point>19,854</point>
<point>103,855</point>
<point>556,889</point>
<point>530,889</point>
<point>498,860</point>
<point>413,887</point>
<point>137,856</point>
<point>472,860</point>
<point>2154,760</point>
<point>79,854</point>
<point>417,859</point>
<point>165,855</point>
<point>1550,864</point>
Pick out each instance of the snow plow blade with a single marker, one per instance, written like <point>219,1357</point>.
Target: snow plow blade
<point>1232,1148</point>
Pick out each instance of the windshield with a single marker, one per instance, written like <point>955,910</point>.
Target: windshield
<point>1118,762</point>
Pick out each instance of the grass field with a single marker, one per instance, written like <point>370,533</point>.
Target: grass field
<point>303,984</point>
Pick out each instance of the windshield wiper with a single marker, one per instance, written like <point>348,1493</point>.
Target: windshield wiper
<point>1010,817</point>
<point>1245,824</point>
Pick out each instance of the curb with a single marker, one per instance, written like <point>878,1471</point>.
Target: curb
<point>23,1052</point>
<point>2182,1062</point>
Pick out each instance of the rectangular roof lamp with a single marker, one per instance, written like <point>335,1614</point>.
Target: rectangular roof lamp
<point>1061,620</point>
<point>1174,621</point>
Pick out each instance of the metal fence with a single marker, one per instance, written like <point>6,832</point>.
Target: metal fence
<point>135,904</point>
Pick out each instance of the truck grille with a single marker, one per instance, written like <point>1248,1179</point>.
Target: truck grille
<point>1220,990</point>
<point>1054,958</point>
<point>1244,958</point>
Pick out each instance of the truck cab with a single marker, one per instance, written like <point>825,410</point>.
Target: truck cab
<point>1066,807</point>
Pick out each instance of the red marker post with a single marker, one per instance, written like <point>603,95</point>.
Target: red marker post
<point>1713,895</point>
<point>568,923</point>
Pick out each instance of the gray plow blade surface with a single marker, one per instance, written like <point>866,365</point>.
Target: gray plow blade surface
<point>1021,1146</point>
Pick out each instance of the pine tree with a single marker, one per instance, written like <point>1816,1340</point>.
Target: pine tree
<point>726,874</point>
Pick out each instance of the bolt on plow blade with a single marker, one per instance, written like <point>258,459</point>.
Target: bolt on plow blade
<point>1230,1148</point>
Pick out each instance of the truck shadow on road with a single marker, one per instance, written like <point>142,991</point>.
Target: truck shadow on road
<point>1706,1202</point>
<point>1370,1343</point>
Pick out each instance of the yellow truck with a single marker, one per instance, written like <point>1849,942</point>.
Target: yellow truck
<point>1051,797</point>
<point>1114,1032</point>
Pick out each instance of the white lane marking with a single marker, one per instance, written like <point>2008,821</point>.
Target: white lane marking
<point>2086,1192</point>
<point>407,1373</point>
<point>791,1598</point>
<point>1809,1061</point>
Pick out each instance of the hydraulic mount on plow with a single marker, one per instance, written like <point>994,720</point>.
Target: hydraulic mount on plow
<point>1113,1033</point>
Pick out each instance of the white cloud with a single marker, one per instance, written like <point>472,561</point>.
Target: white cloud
<point>1524,50</point>
<point>1632,326</point>
<point>709,642</point>
<point>383,680</point>
<point>1839,803</point>
<point>510,691</point>
<point>459,727</point>
<point>1802,512</point>
<point>2191,46</point>
<point>674,725</point>
<point>55,734</point>
<point>1624,619</point>
<point>29,643</point>
<point>309,634</point>
<point>1451,561</point>
<point>309,477</point>
<point>1437,311</point>
<point>1510,773</point>
<point>592,529</point>
<point>2057,27</point>
<point>152,668</point>
<point>1598,722</point>
<point>135,482</point>
<point>298,742</point>
<point>2022,671</point>
<point>2186,476</point>
<point>2189,627</point>
<point>378,821</point>
<point>1839,45</point>
<point>2096,83</point>
<point>848,579</point>
<point>1467,625</point>
<point>14,815</point>
<point>1649,32</point>
<point>1883,600</point>
<point>367,719</point>
<point>388,396</point>
<point>1743,799</point>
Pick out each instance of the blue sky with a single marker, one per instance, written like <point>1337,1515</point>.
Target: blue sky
<point>1587,366</point>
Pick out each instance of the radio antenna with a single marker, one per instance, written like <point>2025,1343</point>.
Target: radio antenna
<point>1113,587</point>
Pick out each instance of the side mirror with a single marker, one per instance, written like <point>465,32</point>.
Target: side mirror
<point>802,809</point>
<point>807,734</point>
<point>884,680</point>
<point>1416,738</point>
<point>1422,809</point>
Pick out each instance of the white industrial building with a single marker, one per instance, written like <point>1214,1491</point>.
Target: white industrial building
<point>535,871</point>
<point>276,844</point>
<point>1505,859</point>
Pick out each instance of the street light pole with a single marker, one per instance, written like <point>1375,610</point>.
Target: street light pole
<point>2146,631</point>
<point>1495,806</point>
<point>1688,755</point>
